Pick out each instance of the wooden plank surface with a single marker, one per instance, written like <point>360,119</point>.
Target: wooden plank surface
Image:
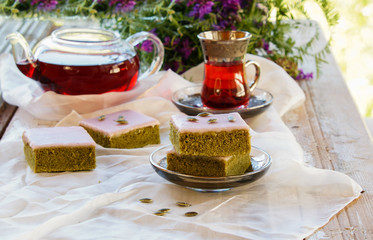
<point>333,135</point>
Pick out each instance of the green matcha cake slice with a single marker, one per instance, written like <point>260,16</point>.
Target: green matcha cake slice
<point>124,129</point>
<point>58,149</point>
<point>208,166</point>
<point>211,135</point>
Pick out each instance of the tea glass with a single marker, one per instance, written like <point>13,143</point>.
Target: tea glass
<point>225,84</point>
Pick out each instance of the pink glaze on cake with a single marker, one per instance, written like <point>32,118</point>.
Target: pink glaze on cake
<point>202,124</point>
<point>110,127</point>
<point>57,136</point>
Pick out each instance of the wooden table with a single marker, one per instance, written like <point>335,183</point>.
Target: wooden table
<point>333,136</point>
<point>328,127</point>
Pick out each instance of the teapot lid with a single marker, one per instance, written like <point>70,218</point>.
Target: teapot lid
<point>90,36</point>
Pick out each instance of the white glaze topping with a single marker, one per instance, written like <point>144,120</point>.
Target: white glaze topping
<point>202,124</point>
<point>110,127</point>
<point>57,136</point>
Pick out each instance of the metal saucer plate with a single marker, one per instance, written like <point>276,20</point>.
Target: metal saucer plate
<point>260,163</point>
<point>188,100</point>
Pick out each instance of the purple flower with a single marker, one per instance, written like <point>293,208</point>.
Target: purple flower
<point>167,41</point>
<point>265,46</point>
<point>228,14</point>
<point>186,50</point>
<point>191,2</point>
<point>45,5</point>
<point>122,5</point>
<point>224,24</point>
<point>176,42</point>
<point>201,8</point>
<point>147,46</point>
<point>232,5</point>
<point>304,76</point>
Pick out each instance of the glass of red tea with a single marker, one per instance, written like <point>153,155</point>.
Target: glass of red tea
<point>74,61</point>
<point>225,83</point>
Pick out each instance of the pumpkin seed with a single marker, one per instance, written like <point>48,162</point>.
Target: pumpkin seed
<point>212,120</point>
<point>183,204</point>
<point>102,117</point>
<point>164,210</point>
<point>204,114</point>
<point>191,214</point>
<point>231,118</point>
<point>159,213</point>
<point>192,119</point>
<point>121,120</point>
<point>146,200</point>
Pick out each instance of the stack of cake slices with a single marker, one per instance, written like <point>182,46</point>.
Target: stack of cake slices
<point>209,145</point>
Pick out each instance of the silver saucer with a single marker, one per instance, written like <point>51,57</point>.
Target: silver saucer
<point>188,100</point>
<point>260,163</point>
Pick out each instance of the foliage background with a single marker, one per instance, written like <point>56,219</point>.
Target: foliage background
<point>353,47</point>
<point>177,23</point>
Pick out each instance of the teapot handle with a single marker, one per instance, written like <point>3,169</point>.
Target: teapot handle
<point>157,62</point>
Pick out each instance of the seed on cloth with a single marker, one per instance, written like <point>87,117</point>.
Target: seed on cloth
<point>164,210</point>
<point>146,200</point>
<point>159,213</point>
<point>191,214</point>
<point>183,204</point>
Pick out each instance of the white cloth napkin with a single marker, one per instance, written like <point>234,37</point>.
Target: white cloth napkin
<point>290,202</point>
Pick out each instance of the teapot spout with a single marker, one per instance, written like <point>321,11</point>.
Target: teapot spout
<point>21,49</point>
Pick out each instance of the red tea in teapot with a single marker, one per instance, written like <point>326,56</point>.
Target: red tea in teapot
<point>76,61</point>
<point>75,74</point>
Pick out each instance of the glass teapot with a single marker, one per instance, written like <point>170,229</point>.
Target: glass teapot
<point>75,61</point>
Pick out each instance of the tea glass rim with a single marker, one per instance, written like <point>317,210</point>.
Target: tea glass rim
<point>234,35</point>
<point>112,37</point>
